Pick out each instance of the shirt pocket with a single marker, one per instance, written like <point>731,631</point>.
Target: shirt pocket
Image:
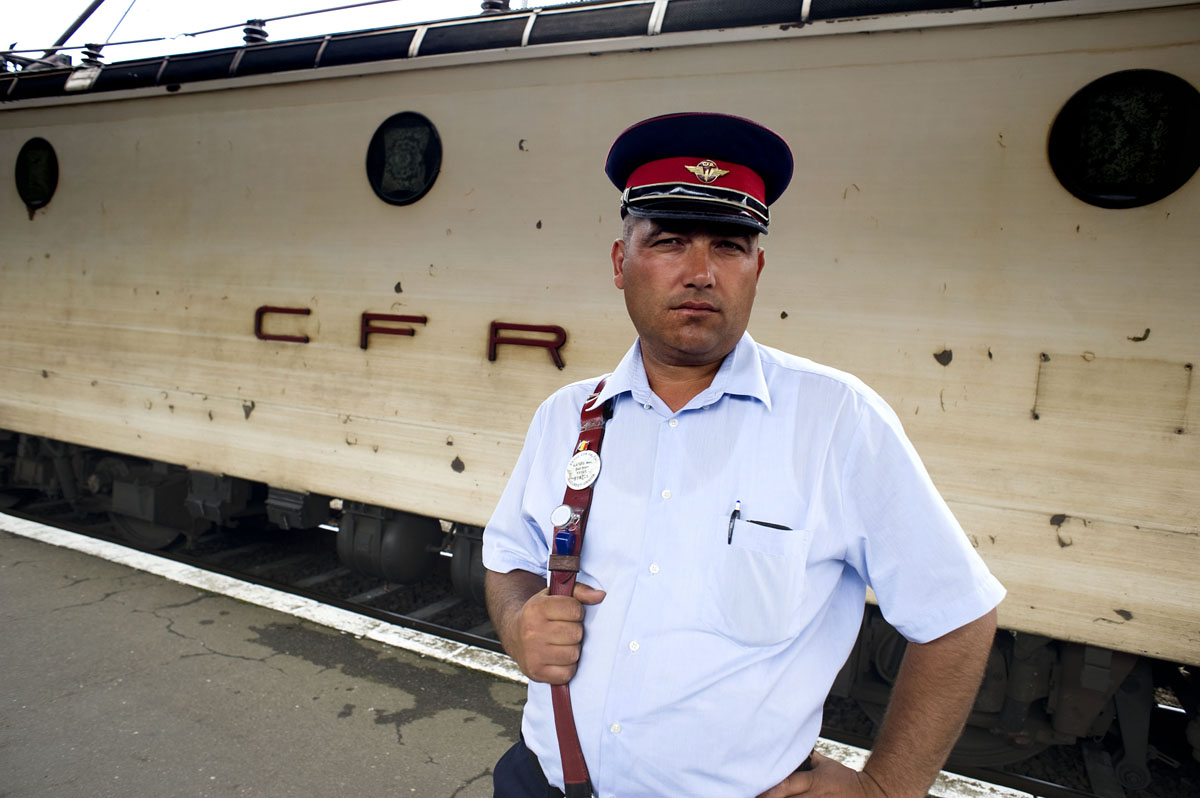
<point>757,584</point>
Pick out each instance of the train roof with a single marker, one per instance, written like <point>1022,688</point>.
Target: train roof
<point>619,24</point>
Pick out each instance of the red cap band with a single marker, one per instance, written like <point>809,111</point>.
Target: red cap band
<point>699,171</point>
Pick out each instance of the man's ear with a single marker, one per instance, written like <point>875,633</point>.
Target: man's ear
<point>762,261</point>
<point>618,262</point>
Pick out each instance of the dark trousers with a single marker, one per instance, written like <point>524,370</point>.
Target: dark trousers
<point>518,775</point>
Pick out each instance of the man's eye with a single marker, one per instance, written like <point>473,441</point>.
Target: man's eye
<point>733,245</point>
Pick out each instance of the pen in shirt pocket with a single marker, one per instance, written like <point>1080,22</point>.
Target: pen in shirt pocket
<point>736,516</point>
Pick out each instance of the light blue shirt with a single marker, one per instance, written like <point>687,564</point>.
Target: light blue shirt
<point>705,667</point>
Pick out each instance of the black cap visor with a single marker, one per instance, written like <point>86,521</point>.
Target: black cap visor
<point>699,203</point>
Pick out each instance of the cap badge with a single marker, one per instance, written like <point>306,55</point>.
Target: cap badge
<point>707,171</point>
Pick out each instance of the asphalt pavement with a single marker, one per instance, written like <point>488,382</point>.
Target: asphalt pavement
<point>118,682</point>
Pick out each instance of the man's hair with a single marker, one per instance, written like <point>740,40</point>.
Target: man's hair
<point>628,220</point>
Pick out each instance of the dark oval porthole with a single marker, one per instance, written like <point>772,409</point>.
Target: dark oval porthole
<point>1127,139</point>
<point>404,158</point>
<point>36,174</point>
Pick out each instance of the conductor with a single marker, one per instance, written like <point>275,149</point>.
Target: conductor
<point>737,501</point>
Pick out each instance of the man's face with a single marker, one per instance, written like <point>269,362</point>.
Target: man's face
<point>689,287</point>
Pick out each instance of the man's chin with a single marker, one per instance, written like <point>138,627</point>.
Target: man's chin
<point>692,352</point>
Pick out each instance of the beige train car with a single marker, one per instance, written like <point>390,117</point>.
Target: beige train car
<point>1038,346</point>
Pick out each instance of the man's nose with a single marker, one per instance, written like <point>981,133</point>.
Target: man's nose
<point>699,272</point>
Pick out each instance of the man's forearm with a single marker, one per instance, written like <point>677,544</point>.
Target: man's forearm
<point>506,595</point>
<point>930,702</point>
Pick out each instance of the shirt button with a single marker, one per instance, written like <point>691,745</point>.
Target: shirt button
<point>674,422</point>
<point>666,494</point>
<point>653,567</point>
<point>615,728</point>
<point>647,405</point>
<point>634,645</point>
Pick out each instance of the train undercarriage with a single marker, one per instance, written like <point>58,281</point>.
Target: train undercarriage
<point>1122,710</point>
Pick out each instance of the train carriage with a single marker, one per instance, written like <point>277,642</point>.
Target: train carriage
<point>255,279</point>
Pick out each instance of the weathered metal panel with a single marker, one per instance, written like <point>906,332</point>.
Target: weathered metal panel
<point>925,245</point>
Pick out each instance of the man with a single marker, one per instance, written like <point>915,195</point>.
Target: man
<point>747,499</point>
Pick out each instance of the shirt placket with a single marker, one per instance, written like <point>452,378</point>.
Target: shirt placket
<point>627,728</point>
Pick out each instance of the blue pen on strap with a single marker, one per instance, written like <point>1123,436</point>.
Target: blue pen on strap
<point>564,543</point>
<point>735,515</point>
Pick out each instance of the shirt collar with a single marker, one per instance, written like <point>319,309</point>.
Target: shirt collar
<point>740,374</point>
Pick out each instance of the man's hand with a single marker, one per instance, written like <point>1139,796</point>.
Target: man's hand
<point>543,633</point>
<point>549,634</point>
<point>827,779</point>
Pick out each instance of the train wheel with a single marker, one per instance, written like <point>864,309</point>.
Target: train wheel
<point>466,568</point>
<point>145,534</point>
<point>396,546</point>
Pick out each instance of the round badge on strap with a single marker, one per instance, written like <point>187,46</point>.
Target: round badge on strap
<point>560,516</point>
<point>583,470</point>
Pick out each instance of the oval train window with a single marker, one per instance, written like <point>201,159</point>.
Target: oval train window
<point>1127,139</point>
<point>36,174</point>
<point>404,158</point>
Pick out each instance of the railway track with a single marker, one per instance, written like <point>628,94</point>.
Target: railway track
<point>305,563</point>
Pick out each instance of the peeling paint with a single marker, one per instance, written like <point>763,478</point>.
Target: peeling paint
<point>944,357</point>
<point>248,408</point>
<point>458,465</point>
<point>1141,337</point>
<point>1057,522</point>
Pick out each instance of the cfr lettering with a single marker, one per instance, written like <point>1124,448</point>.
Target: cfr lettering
<point>392,324</point>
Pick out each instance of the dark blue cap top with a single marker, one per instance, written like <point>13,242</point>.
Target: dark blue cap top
<point>704,166</point>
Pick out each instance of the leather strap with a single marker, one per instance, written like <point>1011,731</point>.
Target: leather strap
<point>564,565</point>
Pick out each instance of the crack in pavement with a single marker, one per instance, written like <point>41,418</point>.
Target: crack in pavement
<point>103,598</point>
<point>487,774</point>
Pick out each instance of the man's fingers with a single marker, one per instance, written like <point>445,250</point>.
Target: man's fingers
<point>560,608</point>
<point>555,633</point>
<point>588,595</point>
<point>551,631</point>
<point>557,674</point>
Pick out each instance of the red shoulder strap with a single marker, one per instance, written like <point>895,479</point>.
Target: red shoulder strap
<point>564,565</point>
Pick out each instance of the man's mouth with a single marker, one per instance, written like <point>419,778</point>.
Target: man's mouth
<point>702,307</point>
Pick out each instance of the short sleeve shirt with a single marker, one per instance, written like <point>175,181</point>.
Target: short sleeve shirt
<point>705,667</point>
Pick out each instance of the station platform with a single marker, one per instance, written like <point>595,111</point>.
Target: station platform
<point>118,682</point>
<point>127,674</point>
